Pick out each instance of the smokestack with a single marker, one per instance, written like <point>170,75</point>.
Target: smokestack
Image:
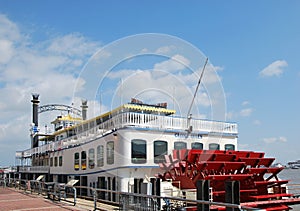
<point>35,105</point>
<point>84,109</point>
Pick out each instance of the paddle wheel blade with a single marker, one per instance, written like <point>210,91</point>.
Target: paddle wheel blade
<point>259,184</point>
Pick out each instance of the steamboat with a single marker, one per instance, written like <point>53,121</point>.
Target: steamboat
<point>119,148</point>
<point>137,142</point>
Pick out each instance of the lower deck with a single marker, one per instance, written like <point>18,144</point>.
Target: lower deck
<point>132,183</point>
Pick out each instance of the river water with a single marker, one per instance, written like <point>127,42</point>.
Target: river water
<point>294,184</point>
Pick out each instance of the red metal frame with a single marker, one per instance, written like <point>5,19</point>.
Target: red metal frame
<point>251,169</point>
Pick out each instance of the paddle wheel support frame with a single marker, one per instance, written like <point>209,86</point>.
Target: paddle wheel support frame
<point>248,176</point>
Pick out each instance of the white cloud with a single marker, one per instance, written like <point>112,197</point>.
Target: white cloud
<point>6,51</point>
<point>122,73</point>
<point>152,86</point>
<point>165,49</point>
<point>209,77</point>
<point>274,69</point>
<point>144,50</point>
<point>275,140</point>
<point>166,81</point>
<point>73,44</point>
<point>175,63</point>
<point>246,112</point>
<point>49,68</point>
<point>8,29</point>
<point>257,122</point>
<point>101,56</point>
<point>230,115</point>
<point>245,103</point>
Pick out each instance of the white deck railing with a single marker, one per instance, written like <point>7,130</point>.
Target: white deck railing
<point>137,120</point>
<point>39,169</point>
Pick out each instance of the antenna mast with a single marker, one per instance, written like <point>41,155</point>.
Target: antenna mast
<point>189,115</point>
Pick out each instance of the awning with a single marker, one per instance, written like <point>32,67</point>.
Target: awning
<point>40,178</point>
<point>149,108</point>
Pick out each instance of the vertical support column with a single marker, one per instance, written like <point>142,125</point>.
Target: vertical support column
<point>157,192</point>
<point>232,194</point>
<point>203,194</point>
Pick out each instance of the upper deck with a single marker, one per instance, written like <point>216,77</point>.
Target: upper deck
<point>94,129</point>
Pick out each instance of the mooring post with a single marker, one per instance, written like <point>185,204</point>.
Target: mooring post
<point>95,198</point>
<point>232,194</point>
<point>203,194</point>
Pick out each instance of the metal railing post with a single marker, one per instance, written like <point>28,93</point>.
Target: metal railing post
<point>59,192</point>
<point>75,195</point>
<point>40,187</point>
<point>95,198</point>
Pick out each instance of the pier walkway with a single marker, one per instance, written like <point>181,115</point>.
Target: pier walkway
<point>14,200</point>
<point>17,200</point>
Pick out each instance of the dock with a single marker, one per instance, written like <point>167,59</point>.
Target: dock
<point>18,200</point>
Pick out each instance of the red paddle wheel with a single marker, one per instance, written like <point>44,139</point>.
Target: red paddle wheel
<point>259,184</point>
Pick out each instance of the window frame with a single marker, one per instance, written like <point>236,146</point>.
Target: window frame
<point>181,142</point>
<point>100,156</point>
<point>60,160</point>
<point>110,154</point>
<point>159,157</point>
<point>83,160</point>
<point>214,144</point>
<point>141,157</point>
<point>91,158</point>
<point>76,161</point>
<point>226,146</point>
<point>195,143</point>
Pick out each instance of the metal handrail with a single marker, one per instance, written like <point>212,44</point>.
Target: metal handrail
<point>42,190</point>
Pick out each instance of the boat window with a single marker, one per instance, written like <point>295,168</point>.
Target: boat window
<point>76,161</point>
<point>197,145</point>
<point>180,145</point>
<point>160,150</point>
<point>83,160</point>
<point>71,132</point>
<point>138,151</point>
<point>55,161</point>
<point>100,156</point>
<point>214,146</point>
<point>85,127</point>
<point>110,159</point>
<point>46,161</point>
<point>91,158</point>
<point>51,161</point>
<point>229,147</point>
<point>92,124</point>
<point>60,160</point>
<point>79,129</point>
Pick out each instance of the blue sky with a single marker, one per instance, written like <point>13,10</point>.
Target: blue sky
<point>253,45</point>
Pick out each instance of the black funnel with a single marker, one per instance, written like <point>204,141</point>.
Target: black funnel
<point>35,105</point>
